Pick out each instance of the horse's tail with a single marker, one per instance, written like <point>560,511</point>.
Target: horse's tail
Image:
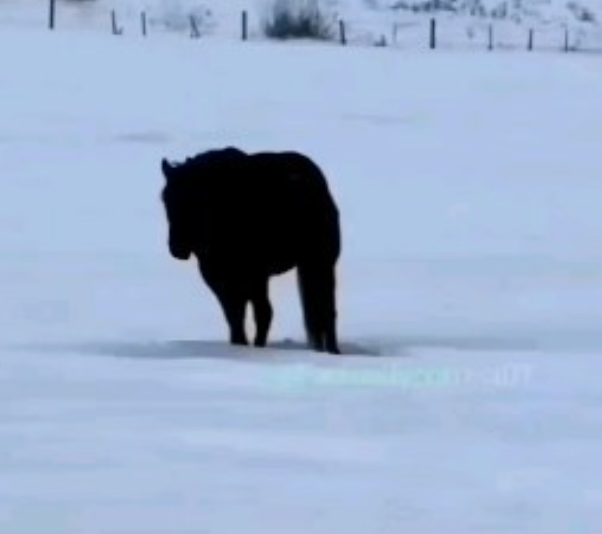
<point>320,250</point>
<point>317,292</point>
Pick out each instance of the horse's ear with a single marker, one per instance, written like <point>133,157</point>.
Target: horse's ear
<point>167,168</point>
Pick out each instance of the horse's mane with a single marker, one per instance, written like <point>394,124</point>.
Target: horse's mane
<point>208,168</point>
<point>205,160</point>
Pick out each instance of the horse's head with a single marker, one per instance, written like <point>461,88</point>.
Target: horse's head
<point>196,195</point>
<point>176,201</point>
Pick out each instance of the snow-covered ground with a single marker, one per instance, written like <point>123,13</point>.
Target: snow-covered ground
<point>470,400</point>
<point>401,24</point>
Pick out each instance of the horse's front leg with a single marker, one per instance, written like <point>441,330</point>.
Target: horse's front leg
<point>233,306</point>
<point>262,311</point>
<point>232,300</point>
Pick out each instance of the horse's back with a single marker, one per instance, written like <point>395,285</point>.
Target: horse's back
<point>256,177</point>
<point>294,206</point>
<point>270,209</point>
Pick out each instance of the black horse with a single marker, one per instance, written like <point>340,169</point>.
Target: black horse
<point>248,217</point>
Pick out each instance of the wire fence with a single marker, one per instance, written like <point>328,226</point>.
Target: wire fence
<point>379,29</point>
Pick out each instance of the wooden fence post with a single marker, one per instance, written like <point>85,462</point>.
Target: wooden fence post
<point>194,28</point>
<point>567,42</point>
<point>114,26</point>
<point>490,37</point>
<point>143,22</point>
<point>245,25</point>
<point>433,35</point>
<point>530,43</point>
<point>342,34</point>
<point>51,14</point>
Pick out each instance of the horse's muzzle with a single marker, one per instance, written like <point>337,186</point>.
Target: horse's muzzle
<point>179,252</point>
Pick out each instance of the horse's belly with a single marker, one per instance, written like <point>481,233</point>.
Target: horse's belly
<point>280,267</point>
<point>279,258</point>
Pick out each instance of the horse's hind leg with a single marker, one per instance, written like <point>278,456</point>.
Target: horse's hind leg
<point>262,311</point>
<point>329,313</point>
<point>330,335</point>
<point>317,287</point>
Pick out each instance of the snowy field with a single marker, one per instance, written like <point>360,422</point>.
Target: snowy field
<point>470,398</point>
